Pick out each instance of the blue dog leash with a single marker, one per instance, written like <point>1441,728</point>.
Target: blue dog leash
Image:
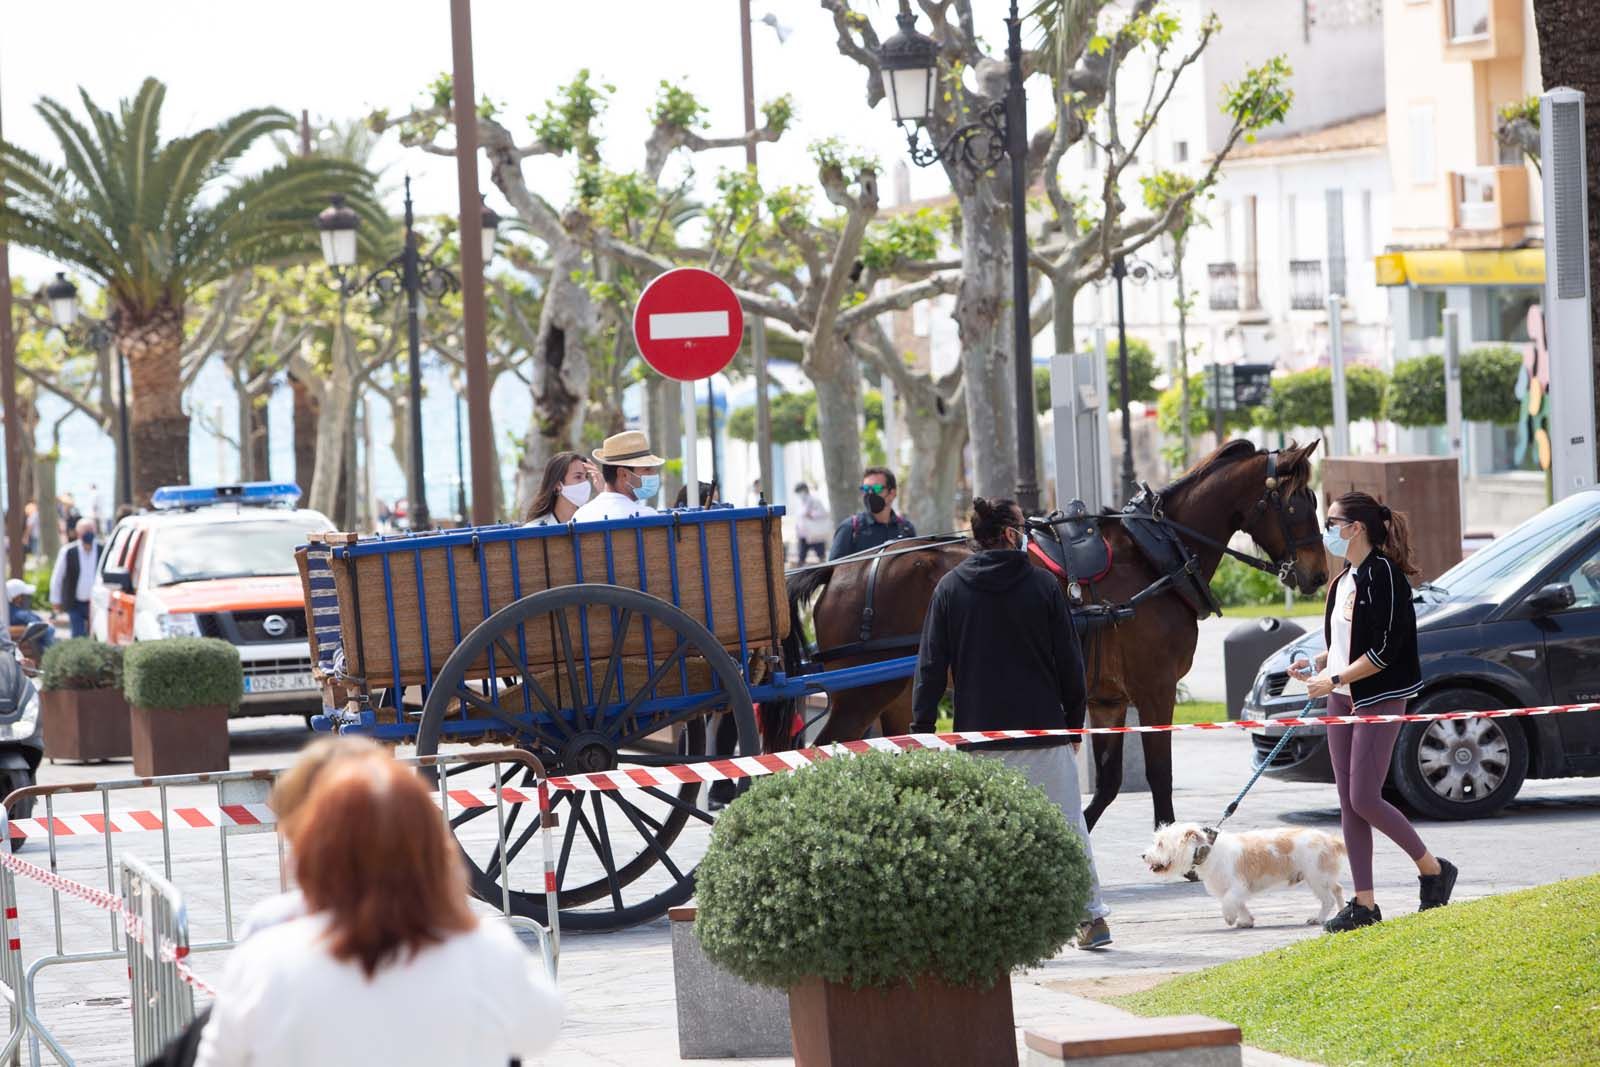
<point>1227,812</point>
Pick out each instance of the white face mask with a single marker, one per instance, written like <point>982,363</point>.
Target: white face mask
<point>578,493</point>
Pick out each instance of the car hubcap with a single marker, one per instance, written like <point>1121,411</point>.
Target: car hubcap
<point>1464,760</point>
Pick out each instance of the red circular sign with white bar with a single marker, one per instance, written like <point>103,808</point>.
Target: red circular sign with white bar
<point>688,324</point>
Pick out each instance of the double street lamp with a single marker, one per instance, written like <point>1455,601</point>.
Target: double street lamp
<point>1141,272</point>
<point>910,64</point>
<point>95,334</point>
<point>409,273</point>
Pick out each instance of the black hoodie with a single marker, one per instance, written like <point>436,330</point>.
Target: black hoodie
<point>1001,626</point>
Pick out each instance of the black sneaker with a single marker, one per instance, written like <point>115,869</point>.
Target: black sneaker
<point>1436,887</point>
<point>1353,917</point>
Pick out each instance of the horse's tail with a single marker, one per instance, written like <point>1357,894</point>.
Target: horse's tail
<point>777,716</point>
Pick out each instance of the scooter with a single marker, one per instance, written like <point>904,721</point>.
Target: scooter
<point>21,744</point>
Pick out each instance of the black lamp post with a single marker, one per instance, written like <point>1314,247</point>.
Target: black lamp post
<point>910,61</point>
<point>1141,272</point>
<point>95,334</point>
<point>413,275</point>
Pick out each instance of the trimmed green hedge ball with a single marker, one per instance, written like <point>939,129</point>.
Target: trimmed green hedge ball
<point>81,663</point>
<point>182,672</point>
<point>877,868</point>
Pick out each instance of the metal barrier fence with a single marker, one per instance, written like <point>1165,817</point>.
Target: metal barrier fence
<point>158,941</point>
<point>240,809</point>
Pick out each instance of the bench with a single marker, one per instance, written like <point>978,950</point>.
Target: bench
<point>721,1016</point>
<point>1172,1041</point>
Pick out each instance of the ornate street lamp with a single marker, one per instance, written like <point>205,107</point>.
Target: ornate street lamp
<point>910,64</point>
<point>86,331</point>
<point>413,275</point>
<point>1142,273</point>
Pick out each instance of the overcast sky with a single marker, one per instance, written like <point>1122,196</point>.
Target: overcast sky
<point>343,58</point>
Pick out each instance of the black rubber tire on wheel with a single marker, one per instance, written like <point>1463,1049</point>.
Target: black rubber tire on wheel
<point>660,835</point>
<point>1459,768</point>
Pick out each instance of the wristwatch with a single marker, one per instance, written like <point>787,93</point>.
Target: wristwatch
<point>1337,681</point>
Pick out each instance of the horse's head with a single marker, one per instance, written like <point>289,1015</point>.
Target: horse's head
<point>1284,520</point>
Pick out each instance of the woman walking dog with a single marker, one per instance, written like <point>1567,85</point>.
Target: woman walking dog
<point>1370,667</point>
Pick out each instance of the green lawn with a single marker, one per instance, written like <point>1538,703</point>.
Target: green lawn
<point>1275,610</point>
<point>1507,980</point>
<point>1200,711</point>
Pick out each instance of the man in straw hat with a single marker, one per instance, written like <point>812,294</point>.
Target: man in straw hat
<point>632,474</point>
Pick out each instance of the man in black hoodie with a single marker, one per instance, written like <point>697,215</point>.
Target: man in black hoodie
<point>1000,625</point>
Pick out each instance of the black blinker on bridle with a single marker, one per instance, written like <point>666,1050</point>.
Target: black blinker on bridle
<point>1272,498</point>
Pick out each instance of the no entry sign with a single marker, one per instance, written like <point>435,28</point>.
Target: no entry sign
<point>688,324</point>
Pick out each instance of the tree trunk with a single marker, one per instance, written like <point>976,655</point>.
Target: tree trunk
<point>247,459</point>
<point>44,476</point>
<point>560,371</point>
<point>1569,55</point>
<point>258,443</point>
<point>835,370</point>
<point>1183,357</point>
<point>305,432</point>
<point>333,429</point>
<point>981,313</point>
<point>158,424</point>
<point>937,441</point>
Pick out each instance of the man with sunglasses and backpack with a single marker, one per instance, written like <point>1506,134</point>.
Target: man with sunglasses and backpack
<point>878,523</point>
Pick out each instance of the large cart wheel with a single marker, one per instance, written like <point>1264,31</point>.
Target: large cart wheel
<point>626,856</point>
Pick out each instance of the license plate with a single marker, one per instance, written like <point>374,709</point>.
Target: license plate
<point>278,683</point>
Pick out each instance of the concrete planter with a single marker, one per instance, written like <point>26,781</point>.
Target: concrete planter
<point>179,740</point>
<point>85,724</point>
<point>933,1025</point>
<point>721,1016</point>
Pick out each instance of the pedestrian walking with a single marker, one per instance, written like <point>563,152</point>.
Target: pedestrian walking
<point>1000,627</point>
<point>812,524</point>
<point>72,580</point>
<point>1371,667</point>
<point>30,527</point>
<point>567,485</point>
<point>388,930</point>
<point>877,522</point>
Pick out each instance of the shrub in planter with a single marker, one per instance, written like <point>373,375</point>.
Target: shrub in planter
<point>182,690</point>
<point>922,878</point>
<point>83,713</point>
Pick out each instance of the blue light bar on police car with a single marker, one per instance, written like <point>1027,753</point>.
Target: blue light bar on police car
<point>174,497</point>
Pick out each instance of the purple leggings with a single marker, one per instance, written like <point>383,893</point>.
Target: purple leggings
<point>1360,764</point>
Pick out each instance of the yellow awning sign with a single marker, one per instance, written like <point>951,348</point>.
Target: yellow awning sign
<point>1520,266</point>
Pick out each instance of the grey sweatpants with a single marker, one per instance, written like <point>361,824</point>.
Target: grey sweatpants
<point>1055,771</point>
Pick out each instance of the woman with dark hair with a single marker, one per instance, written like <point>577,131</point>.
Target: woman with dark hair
<point>567,485</point>
<point>387,929</point>
<point>1370,667</point>
<point>1000,627</point>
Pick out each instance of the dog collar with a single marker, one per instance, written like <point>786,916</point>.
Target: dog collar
<point>1202,852</point>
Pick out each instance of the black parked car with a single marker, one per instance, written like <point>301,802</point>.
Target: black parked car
<point>1516,624</point>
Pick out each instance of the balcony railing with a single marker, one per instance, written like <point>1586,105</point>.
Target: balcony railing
<point>1233,287</point>
<point>1305,284</point>
<point>1487,200</point>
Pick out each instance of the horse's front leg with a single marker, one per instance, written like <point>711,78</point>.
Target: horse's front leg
<point>1107,749</point>
<point>1158,767</point>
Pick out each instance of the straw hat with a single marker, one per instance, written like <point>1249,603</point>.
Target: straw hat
<point>630,448</point>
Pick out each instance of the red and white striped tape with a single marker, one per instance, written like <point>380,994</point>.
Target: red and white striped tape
<point>735,767</point>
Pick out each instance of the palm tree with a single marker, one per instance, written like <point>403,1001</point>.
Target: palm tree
<point>153,221</point>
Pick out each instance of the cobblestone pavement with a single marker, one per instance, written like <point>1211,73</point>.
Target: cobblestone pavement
<point>619,986</point>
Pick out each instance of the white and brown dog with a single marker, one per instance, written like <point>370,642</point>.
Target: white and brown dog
<point>1234,867</point>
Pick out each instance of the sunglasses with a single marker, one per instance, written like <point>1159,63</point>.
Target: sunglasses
<point>876,490</point>
<point>1337,523</point>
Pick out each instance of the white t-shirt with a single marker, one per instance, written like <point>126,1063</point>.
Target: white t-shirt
<point>547,519</point>
<point>1344,607</point>
<point>609,505</point>
<point>477,1000</point>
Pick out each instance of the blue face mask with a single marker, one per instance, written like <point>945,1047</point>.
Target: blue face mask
<point>1335,543</point>
<point>649,485</point>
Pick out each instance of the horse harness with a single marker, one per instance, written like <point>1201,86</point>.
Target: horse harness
<point>866,643</point>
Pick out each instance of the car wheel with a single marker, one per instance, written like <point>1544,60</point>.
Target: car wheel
<point>1459,768</point>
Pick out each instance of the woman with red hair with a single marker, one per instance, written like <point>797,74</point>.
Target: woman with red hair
<point>390,966</point>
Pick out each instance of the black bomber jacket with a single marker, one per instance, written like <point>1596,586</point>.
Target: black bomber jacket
<point>1383,627</point>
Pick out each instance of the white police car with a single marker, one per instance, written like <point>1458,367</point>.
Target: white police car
<point>217,561</point>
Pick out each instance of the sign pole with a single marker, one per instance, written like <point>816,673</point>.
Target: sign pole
<point>1341,412</point>
<point>1452,402</point>
<point>691,473</point>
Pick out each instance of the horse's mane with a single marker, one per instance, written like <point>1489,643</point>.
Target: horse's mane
<point>1298,473</point>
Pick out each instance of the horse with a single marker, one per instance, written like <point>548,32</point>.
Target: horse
<point>1237,488</point>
